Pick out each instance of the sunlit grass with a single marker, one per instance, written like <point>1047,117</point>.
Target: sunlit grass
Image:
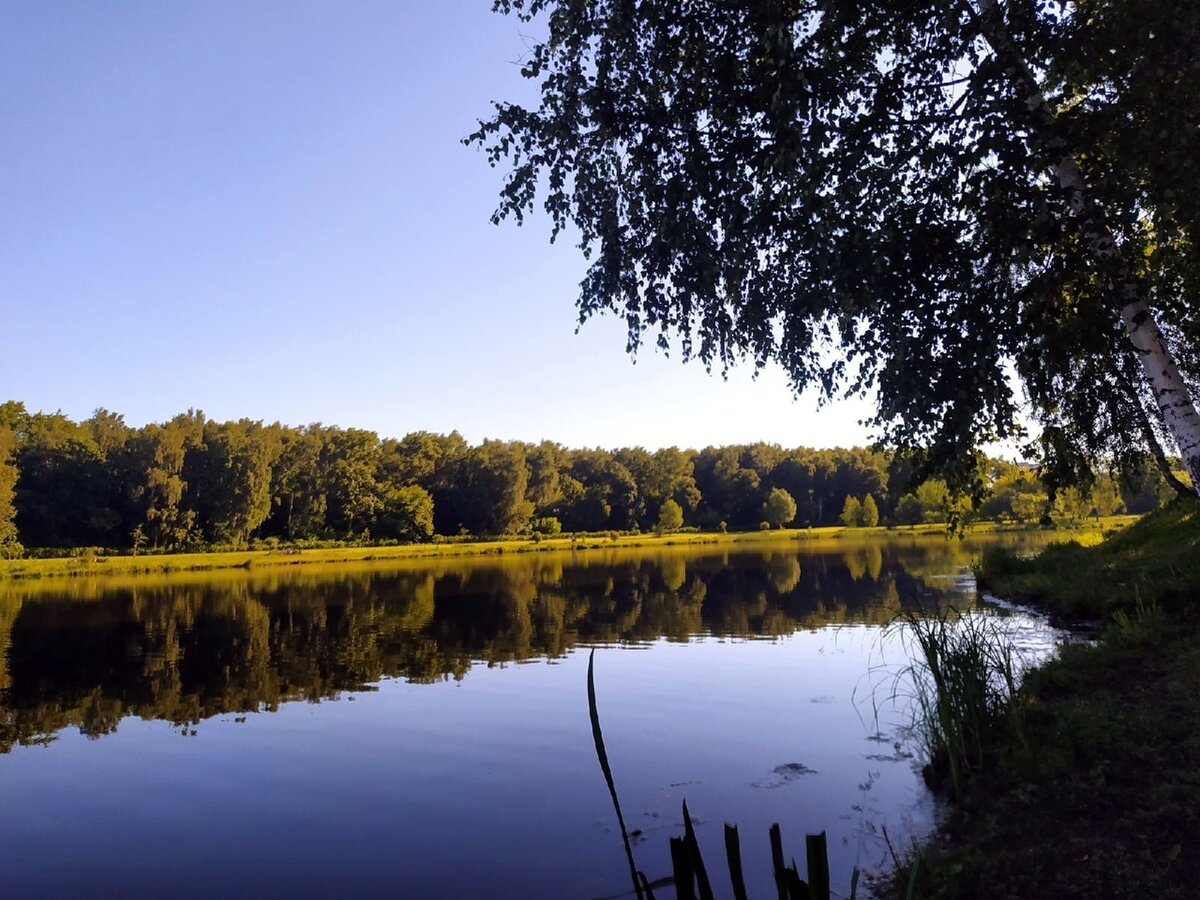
<point>1155,561</point>
<point>96,564</point>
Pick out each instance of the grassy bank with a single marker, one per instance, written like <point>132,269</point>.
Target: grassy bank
<point>1154,562</point>
<point>1099,793</point>
<point>92,564</point>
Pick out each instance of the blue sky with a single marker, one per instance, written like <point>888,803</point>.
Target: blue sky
<point>264,210</point>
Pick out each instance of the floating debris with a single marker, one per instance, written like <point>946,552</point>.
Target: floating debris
<point>788,772</point>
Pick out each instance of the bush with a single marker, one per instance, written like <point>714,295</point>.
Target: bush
<point>547,525</point>
<point>670,517</point>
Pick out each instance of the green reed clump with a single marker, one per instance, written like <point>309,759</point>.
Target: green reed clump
<point>964,680</point>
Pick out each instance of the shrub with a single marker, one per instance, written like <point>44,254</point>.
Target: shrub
<point>670,517</point>
<point>547,525</point>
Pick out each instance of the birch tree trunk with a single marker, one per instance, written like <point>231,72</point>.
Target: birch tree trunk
<point>1151,437</point>
<point>1170,392</point>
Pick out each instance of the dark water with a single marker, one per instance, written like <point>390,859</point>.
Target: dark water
<point>423,731</point>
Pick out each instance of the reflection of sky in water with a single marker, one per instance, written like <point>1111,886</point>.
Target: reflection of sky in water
<point>487,785</point>
<point>448,789</point>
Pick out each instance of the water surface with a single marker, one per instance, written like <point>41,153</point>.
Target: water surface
<point>422,730</point>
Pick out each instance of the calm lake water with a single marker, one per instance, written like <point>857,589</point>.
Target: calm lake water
<point>422,731</point>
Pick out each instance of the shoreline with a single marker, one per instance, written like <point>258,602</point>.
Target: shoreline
<point>91,564</point>
<point>1097,792</point>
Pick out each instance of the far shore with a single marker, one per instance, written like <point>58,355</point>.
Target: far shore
<point>92,564</point>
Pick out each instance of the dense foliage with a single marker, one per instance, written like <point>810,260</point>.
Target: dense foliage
<point>194,482</point>
<point>916,198</point>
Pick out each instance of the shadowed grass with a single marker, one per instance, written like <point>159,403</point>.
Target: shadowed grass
<point>1099,795</point>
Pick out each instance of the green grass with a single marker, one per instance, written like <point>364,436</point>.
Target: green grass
<point>1097,794</point>
<point>1156,561</point>
<point>233,559</point>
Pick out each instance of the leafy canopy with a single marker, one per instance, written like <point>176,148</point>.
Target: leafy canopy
<point>779,508</point>
<point>858,192</point>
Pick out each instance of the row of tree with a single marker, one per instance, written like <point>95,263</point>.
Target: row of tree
<point>193,481</point>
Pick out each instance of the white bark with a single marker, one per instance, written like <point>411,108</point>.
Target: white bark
<point>1171,393</point>
<point>1151,436</point>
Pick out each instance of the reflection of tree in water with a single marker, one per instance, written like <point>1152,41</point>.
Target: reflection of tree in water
<point>673,570</point>
<point>784,571</point>
<point>8,614</point>
<point>183,651</point>
<point>864,561</point>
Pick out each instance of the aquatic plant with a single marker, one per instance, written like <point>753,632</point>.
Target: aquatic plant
<point>639,880</point>
<point>964,683</point>
<point>691,878</point>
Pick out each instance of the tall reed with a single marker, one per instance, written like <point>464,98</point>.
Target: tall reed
<point>964,677</point>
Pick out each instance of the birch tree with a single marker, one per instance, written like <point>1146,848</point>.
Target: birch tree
<point>910,199</point>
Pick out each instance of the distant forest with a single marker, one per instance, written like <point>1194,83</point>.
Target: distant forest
<point>193,483</point>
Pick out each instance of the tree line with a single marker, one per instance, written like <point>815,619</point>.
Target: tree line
<point>194,482</point>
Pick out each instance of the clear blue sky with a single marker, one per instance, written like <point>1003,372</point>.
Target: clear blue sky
<point>263,210</point>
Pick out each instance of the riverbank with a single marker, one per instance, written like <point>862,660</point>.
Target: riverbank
<point>90,563</point>
<point>1098,793</point>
